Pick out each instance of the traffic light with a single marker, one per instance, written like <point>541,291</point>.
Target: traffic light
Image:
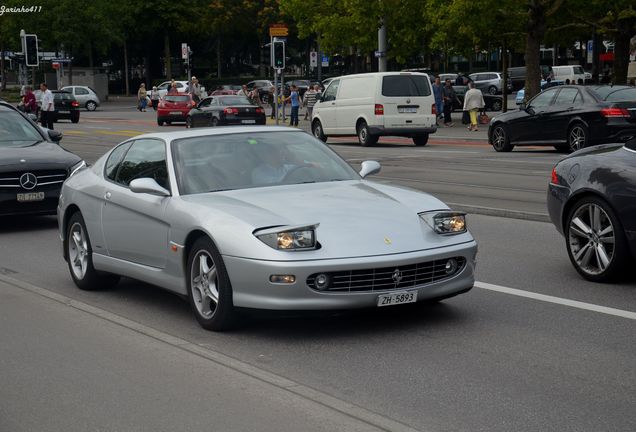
<point>279,54</point>
<point>31,50</point>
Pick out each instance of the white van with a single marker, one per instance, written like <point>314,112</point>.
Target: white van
<point>377,104</point>
<point>572,73</point>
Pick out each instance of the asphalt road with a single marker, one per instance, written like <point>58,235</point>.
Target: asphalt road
<point>556,355</point>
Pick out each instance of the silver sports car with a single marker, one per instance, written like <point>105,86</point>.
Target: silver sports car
<point>258,217</point>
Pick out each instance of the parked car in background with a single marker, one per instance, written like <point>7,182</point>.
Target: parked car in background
<point>493,102</point>
<point>263,87</point>
<point>33,166</point>
<point>444,76</point>
<point>65,104</point>
<point>164,87</point>
<point>85,96</point>
<point>591,200</point>
<point>569,74</point>
<point>225,89</point>
<point>489,82</point>
<point>258,218</point>
<point>174,108</point>
<point>372,105</point>
<point>568,118</point>
<point>521,94</point>
<point>302,85</point>
<point>225,110</point>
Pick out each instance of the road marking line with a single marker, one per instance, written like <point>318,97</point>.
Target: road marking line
<point>74,132</point>
<point>557,300</point>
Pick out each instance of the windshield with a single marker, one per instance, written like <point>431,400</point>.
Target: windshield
<point>239,100</point>
<point>176,98</point>
<point>15,131</point>
<point>247,160</point>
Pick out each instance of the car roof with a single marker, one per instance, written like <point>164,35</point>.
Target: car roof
<point>219,130</point>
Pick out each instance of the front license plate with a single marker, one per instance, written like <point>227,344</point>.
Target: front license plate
<point>63,112</point>
<point>407,110</point>
<point>248,121</point>
<point>30,196</point>
<point>175,113</point>
<point>397,298</point>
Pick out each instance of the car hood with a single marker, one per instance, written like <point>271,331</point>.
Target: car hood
<point>355,218</point>
<point>43,155</point>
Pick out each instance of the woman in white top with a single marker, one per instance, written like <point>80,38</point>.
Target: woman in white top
<point>473,103</point>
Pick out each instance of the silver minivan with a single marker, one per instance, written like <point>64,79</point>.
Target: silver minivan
<point>489,82</point>
<point>85,96</point>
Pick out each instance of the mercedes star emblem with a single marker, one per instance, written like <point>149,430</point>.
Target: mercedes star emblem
<point>397,276</point>
<point>28,181</point>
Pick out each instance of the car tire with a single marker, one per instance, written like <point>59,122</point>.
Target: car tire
<point>318,131</point>
<point>364,135</point>
<point>188,122</point>
<point>75,119</point>
<point>577,137</point>
<point>420,140</point>
<point>590,228</point>
<point>160,122</point>
<point>91,106</point>
<point>80,257</point>
<point>209,288</point>
<point>168,123</point>
<point>492,90</point>
<point>214,122</point>
<point>500,139</point>
<point>496,105</point>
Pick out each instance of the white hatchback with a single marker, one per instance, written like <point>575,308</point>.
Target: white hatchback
<point>376,104</point>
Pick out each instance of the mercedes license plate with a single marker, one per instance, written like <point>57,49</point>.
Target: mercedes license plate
<point>175,113</point>
<point>30,196</point>
<point>407,110</point>
<point>397,298</point>
<point>64,112</point>
<point>248,121</point>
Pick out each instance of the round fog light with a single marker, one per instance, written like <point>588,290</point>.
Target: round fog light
<point>451,266</point>
<point>322,281</point>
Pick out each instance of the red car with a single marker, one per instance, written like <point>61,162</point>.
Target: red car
<point>174,108</point>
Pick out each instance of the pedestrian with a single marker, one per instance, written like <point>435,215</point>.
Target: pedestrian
<point>448,99</point>
<point>310,100</point>
<point>271,95</point>
<point>439,101</point>
<point>459,80</point>
<point>255,96</point>
<point>473,103</point>
<point>172,90</point>
<point>47,111</point>
<point>243,91</point>
<point>295,100</point>
<point>194,88</point>
<point>142,96</point>
<point>154,98</point>
<point>28,101</point>
<point>280,97</point>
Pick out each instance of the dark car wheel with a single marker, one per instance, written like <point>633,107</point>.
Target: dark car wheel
<point>496,105</point>
<point>577,137</point>
<point>189,122</point>
<point>160,122</point>
<point>80,259</point>
<point>214,122</point>
<point>209,289</point>
<point>91,106</point>
<point>595,240</point>
<point>318,131</point>
<point>500,139</point>
<point>364,135</point>
<point>492,90</point>
<point>420,140</point>
<point>75,118</point>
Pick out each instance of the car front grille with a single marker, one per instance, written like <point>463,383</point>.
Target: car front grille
<point>11,180</point>
<point>388,278</point>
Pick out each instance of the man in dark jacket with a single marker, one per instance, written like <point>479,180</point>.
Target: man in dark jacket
<point>449,97</point>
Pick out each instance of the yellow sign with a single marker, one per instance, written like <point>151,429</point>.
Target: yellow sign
<point>278,31</point>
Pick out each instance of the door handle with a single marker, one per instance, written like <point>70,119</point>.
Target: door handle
<point>333,103</point>
<point>107,195</point>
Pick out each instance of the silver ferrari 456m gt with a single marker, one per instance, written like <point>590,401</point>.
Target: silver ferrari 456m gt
<point>258,218</point>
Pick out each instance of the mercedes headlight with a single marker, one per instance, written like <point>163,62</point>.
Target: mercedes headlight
<point>289,238</point>
<point>445,222</point>
<point>75,168</point>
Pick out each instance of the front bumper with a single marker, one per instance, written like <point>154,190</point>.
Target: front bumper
<point>252,288</point>
<point>9,205</point>
<point>401,131</point>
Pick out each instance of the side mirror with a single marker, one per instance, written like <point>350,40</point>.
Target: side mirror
<point>370,167</point>
<point>56,136</point>
<point>529,110</point>
<point>149,186</point>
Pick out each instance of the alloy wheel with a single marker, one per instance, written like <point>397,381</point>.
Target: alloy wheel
<point>592,239</point>
<point>576,138</point>
<point>205,284</point>
<point>499,137</point>
<point>78,251</point>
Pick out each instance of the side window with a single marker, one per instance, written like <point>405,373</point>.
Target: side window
<point>543,99</point>
<point>163,86</point>
<point>566,97</point>
<point>114,161</point>
<point>205,103</point>
<point>146,158</point>
<point>80,91</point>
<point>332,91</point>
<point>214,102</point>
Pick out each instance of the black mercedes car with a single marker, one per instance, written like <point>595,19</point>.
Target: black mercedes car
<point>32,165</point>
<point>225,110</point>
<point>568,118</point>
<point>592,202</point>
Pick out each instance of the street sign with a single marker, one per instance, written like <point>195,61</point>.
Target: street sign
<point>55,65</point>
<point>380,54</point>
<point>184,51</point>
<point>278,30</point>
<point>313,59</point>
<point>325,61</point>
<point>590,51</point>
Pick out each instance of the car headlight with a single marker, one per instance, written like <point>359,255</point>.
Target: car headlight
<point>445,222</point>
<point>75,168</point>
<point>289,238</point>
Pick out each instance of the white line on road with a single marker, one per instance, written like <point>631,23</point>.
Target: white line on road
<point>557,300</point>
